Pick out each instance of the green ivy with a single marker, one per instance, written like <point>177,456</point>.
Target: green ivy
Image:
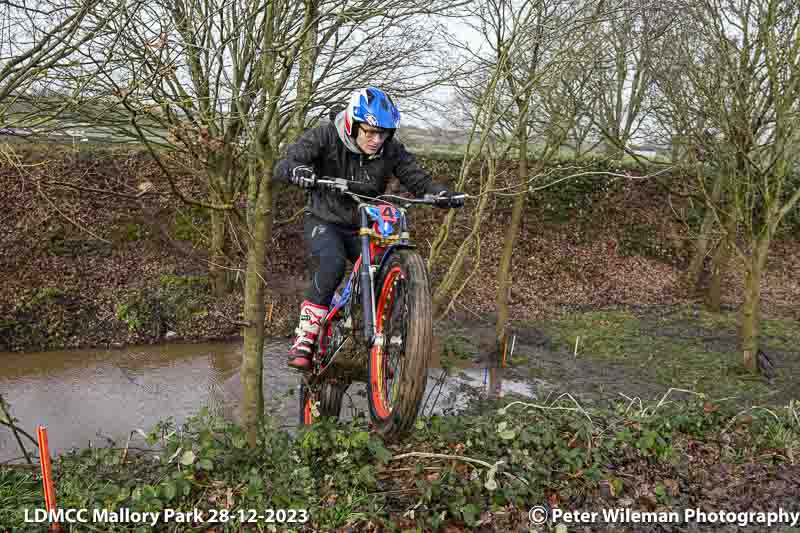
<point>339,472</point>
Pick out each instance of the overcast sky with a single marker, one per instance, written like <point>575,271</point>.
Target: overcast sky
<point>442,95</point>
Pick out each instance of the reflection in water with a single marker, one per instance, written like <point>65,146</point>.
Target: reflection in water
<point>222,367</point>
<point>85,396</point>
<point>91,396</point>
<point>487,381</point>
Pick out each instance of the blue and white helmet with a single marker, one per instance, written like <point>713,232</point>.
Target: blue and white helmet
<point>371,106</point>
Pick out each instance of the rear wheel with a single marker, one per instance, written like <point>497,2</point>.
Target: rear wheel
<point>398,370</point>
<point>329,396</point>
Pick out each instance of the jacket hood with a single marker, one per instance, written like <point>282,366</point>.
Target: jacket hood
<point>346,139</point>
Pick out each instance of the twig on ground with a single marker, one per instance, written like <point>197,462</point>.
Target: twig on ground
<point>737,415</point>
<point>235,235</point>
<point>396,491</point>
<point>664,398</point>
<point>578,408</point>
<point>407,469</point>
<point>456,458</point>
<point>631,401</point>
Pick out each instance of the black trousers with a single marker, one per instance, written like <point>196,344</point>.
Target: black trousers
<point>331,246</point>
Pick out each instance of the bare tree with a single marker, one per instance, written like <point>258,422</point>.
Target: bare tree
<point>35,39</point>
<point>626,38</point>
<point>223,85</point>
<point>532,45</point>
<point>574,93</point>
<point>679,119</point>
<point>744,82</point>
<point>188,71</point>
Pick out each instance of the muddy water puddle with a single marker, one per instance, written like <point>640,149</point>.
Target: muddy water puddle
<point>98,396</point>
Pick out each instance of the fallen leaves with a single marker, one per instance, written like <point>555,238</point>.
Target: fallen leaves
<point>554,264</point>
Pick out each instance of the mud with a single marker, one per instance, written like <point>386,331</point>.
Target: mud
<point>551,370</point>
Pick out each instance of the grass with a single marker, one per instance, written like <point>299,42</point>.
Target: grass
<point>685,348</point>
<point>777,333</point>
<point>19,490</point>
<point>457,351</point>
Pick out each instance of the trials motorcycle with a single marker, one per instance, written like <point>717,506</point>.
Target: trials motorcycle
<point>378,328</point>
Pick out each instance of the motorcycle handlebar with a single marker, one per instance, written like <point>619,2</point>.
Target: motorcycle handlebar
<point>356,187</point>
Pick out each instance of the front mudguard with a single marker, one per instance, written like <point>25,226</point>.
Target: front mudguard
<point>389,252</point>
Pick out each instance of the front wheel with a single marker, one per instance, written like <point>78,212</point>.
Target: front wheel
<point>398,370</point>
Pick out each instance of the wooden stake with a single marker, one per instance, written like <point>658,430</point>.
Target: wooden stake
<point>269,316</point>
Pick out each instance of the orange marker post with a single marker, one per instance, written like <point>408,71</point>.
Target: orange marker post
<point>47,475</point>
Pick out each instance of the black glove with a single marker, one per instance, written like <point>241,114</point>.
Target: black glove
<point>447,199</point>
<point>303,177</point>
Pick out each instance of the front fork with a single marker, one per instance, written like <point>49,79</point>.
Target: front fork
<point>366,276</point>
<point>366,282</point>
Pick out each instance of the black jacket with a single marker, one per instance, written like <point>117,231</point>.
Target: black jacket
<point>322,149</point>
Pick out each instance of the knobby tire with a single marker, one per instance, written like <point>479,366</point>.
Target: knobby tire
<point>403,311</point>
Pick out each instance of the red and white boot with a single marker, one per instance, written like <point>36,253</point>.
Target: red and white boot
<point>302,351</point>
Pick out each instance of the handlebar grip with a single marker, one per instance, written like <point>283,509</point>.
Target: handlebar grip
<point>450,201</point>
<point>345,185</point>
<point>458,199</point>
<point>361,188</point>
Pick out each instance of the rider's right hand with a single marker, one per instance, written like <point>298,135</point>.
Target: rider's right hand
<point>304,177</point>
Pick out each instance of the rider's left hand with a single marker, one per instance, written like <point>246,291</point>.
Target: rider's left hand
<point>448,199</point>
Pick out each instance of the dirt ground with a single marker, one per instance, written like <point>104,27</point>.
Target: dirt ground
<point>542,359</point>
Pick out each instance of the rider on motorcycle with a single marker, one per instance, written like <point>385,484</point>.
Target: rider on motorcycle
<point>357,145</point>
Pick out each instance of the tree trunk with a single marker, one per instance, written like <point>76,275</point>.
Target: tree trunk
<point>719,265</point>
<point>495,382</point>
<point>692,275</point>
<point>613,152</point>
<point>254,308</point>
<point>218,275</point>
<point>677,146</point>
<point>714,294</point>
<point>504,270</point>
<point>750,319</point>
